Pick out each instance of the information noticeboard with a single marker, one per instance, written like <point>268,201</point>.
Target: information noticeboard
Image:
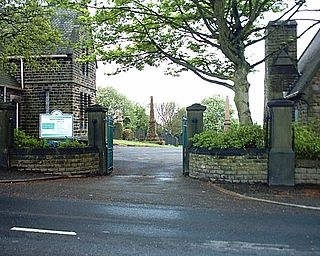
<point>56,125</point>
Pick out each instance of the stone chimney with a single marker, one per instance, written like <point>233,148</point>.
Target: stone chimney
<point>281,64</point>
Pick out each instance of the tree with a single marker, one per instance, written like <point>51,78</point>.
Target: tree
<point>116,102</point>
<point>139,118</point>
<point>26,30</point>
<point>177,122</point>
<point>207,37</point>
<point>166,112</point>
<point>213,117</point>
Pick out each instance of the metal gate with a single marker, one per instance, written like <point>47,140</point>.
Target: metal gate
<point>185,155</point>
<point>109,144</point>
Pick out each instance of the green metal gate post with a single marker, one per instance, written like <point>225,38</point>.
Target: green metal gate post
<point>110,144</point>
<point>7,111</point>
<point>185,155</point>
<point>97,134</point>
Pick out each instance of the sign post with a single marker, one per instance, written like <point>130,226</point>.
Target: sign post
<point>56,125</point>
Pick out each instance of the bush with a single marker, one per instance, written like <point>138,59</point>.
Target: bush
<point>244,136</point>
<point>306,143</point>
<point>71,144</point>
<point>22,140</point>
<point>127,134</point>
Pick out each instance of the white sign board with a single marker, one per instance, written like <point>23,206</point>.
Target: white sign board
<point>56,125</point>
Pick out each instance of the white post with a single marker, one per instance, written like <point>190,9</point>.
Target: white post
<point>4,94</point>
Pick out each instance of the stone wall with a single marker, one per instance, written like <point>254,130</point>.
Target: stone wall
<point>58,161</point>
<point>242,166</point>
<point>312,96</point>
<point>307,172</point>
<point>234,166</point>
<point>71,86</point>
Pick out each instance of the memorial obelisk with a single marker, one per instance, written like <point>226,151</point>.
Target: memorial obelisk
<point>152,134</point>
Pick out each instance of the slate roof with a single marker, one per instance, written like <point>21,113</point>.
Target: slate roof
<point>308,65</point>
<point>66,22</point>
<point>7,80</point>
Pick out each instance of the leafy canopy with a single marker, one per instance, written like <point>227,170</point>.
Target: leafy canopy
<point>26,30</point>
<point>208,37</point>
<point>117,103</point>
<point>214,115</point>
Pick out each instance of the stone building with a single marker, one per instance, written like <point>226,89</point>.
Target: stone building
<point>291,78</point>
<point>60,82</point>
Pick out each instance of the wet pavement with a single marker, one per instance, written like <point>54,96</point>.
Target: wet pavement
<point>153,171</point>
<point>147,207</point>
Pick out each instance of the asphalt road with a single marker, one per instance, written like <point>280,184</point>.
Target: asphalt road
<point>146,207</point>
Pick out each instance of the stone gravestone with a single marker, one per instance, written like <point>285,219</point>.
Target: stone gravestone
<point>139,134</point>
<point>175,141</point>
<point>169,139</point>
<point>117,131</point>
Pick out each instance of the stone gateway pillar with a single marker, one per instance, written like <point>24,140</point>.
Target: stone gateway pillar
<point>97,134</point>
<point>194,121</point>
<point>281,163</point>
<point>7,112</point>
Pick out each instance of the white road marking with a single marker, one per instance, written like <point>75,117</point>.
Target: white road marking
<point>44,231</point>
<point>239,245</point>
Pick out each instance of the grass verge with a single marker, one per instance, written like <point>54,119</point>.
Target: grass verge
<point>139,144</point>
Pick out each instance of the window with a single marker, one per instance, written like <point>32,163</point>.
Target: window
<point>85,65</point>
<point>82,124</point>
<point>85,101</point>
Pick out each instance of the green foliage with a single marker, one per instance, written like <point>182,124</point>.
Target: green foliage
<point>244,136</point>
<point>210,38</point>
<point>71,144</point>
<point>22,140</point>
<point>138,117</point>
<point>26,30</point>
<point>112,100</point>
<point>169,117</point>
<point>213,117</point>
<point>116,102</point>
<point>306,142</point>
<point>177,122</point>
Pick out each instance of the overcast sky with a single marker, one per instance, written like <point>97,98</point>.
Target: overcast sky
<point>188,88</point>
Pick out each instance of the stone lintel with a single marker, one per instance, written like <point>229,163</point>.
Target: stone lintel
<point>96,108</point>
<point>280,103</point>
<point>196,107</point>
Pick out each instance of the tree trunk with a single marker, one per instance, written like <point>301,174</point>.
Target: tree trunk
<point>241,98</point>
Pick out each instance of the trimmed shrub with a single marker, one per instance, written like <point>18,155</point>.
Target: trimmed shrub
<point>127,134</point>
<point>306,143</point>
<point>244,136</point>
<point>22,140</point>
